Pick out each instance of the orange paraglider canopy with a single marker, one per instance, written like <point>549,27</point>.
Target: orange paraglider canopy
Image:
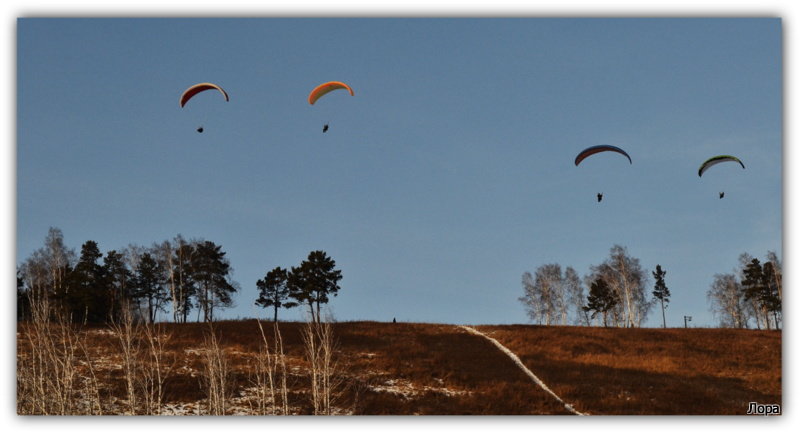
<point>197,88</point>
<point>325,88</point>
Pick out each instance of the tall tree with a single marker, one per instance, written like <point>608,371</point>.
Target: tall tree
<point>602,299</point>
<point>727,301</point>
<point>86,296</point>
<point>314,281</point>
<point>211,271</point>
<point>185,288</point>
<point>23,302</point>
<point>777,271</point>
<point>772,293</point>
<point>149,286</point>
<point>574,287</point>
<point>545,296</point>
<point>118,281</point>
<point>755,290</point>
<point>661,292</point>
<point>163,253</point>
<point>625,276</point>
<point>59,259</point>
<point>273,291</point>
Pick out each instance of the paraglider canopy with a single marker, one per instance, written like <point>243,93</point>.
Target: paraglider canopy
<point>197,88</point>
<point>589,151</point>
<point>716,160</point>
<point>325,88</point>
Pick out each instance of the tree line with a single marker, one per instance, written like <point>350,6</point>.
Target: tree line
<point>175,276</point>
<point>750,296</point>
<point>312,283</point>
<point>618,293</point>
<point>93,287</point>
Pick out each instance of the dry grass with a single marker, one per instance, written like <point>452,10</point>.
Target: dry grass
<point>651,371</point>
<point>411,368</point>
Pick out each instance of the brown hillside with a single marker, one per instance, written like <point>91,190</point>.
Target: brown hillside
<point>411,368</point>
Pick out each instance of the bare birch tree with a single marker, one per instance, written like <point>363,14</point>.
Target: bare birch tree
<point>727,302</point>
<point>627,279</point>
<point>575,296</point>
<point>545,297</point>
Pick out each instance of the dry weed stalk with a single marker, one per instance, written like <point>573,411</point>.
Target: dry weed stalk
<point>47,370</point>
<point>217,373</point>
<point>142,348</point>
<point>320,348</point>
<point>127,330</point>
<point>281,361</point>
<point>268,367</point>
<point>154,372</point>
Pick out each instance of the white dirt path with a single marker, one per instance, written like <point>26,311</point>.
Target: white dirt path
<point>522,366</point>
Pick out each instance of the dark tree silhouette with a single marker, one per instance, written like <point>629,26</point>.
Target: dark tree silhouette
<point>273,291</point>
<point>601,299</point>
<point>118,282</point>
<point>149,286</point>
<point>772,291</point>
<point>314,281</point>
<point>755,288</point>
<point>210,271</point>
<point>86,297</point>
<point>661,292</point>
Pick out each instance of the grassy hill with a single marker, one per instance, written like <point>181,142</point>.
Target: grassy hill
<point>433,369</point>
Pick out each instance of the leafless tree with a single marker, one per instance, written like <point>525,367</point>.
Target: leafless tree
<point>628,279</point>
<point>216,374</point>
<point>126,330</point>
<point>163,252</point>
<point>52,377</point>
<point>545,295</point>
<point>321,348</point>
<point>154,367</point>
<point>270,375</point>
<point>575,296</point>
<point>727,301</point>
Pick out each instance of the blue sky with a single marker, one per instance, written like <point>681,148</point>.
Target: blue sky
<point>446,176</point>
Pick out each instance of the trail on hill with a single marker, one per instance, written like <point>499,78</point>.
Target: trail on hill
<point>522,366</point>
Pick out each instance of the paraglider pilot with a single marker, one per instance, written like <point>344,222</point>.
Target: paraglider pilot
<point>599,197</point>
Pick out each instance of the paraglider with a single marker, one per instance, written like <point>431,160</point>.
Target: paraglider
<point>710,162</point>
<point>325,88</point>
<point>197,88</point>
<point>589,151</point>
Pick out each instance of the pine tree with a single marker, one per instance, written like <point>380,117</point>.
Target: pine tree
<point>313,281</point>
<point>86,299</point>
<point>273,291</point>
<point>755,289</point>
<point>210,271</point>
<point>661,292</point>
<point>149,285</point>
<point>118,282</point>
<point>601,299</point>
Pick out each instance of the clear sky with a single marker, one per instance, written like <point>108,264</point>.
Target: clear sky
<point>446,176</point>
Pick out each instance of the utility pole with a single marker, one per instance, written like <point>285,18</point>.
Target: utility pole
<point>685,320</point>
